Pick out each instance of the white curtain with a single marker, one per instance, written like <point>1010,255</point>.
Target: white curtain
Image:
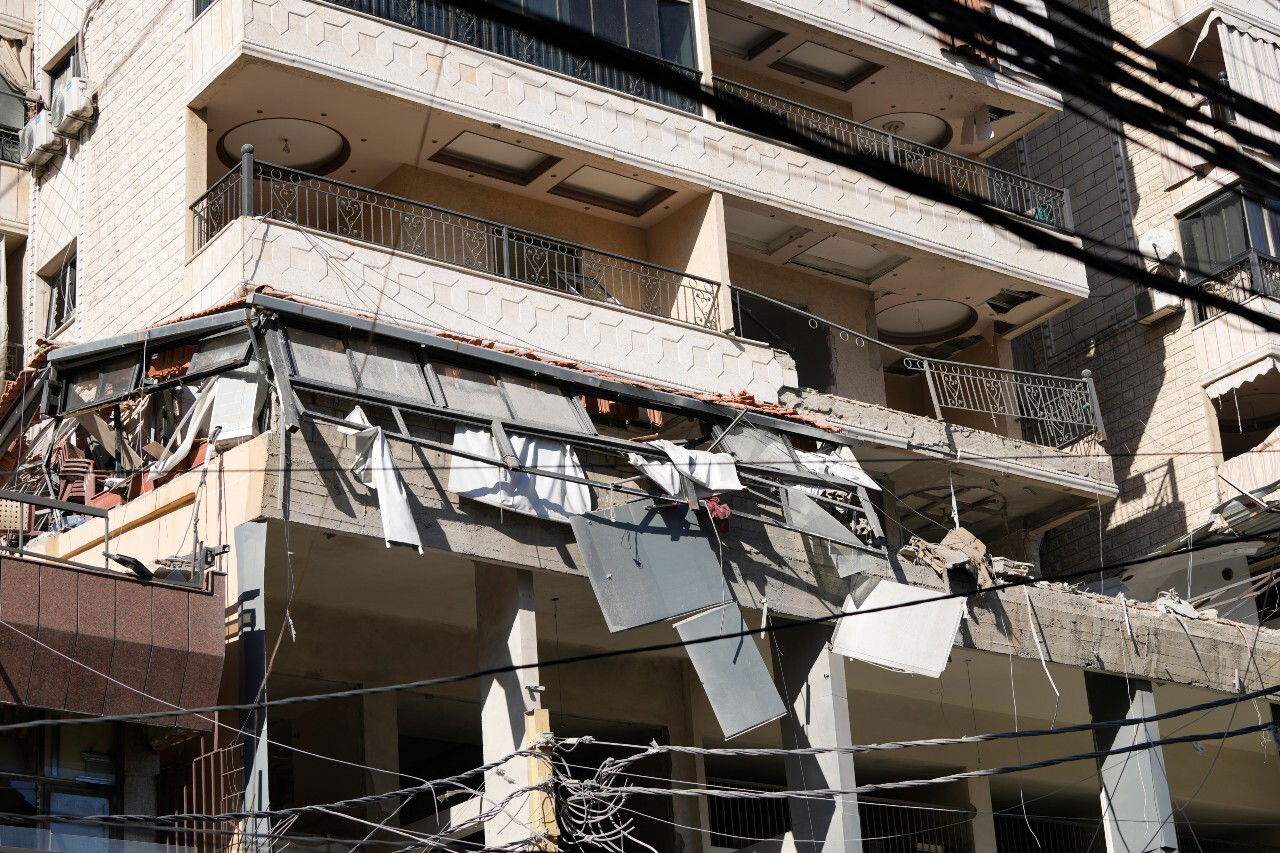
<point>376,468</point>
<point>518,491</point>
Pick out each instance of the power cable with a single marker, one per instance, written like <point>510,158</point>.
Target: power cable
<point>602,654</point>
<point>952,777</point>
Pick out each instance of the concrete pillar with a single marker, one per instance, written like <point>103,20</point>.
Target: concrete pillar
<point>251,563</point>
<point>982,829</point>
<point>506,634</point>
<point>1137,813</point>
<point>812,681</point>
<point>381,724</point>
<point>690,812</point>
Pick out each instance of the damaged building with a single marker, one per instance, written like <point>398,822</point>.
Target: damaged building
<point>437,438</point>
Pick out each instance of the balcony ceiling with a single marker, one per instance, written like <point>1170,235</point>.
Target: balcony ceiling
<point>857,81</point>
<point>895,274</point>
<point>384,133</point>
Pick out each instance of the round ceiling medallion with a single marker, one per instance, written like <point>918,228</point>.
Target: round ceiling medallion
<point>923,128</point>
<point>297,143</point>
<point>924,321</point>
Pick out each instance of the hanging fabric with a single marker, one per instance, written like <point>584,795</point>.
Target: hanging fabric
<point>375,467</point>
<point>542,497</point>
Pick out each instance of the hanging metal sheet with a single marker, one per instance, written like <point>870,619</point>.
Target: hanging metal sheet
<point>648,563</point>
<point>739,687</point>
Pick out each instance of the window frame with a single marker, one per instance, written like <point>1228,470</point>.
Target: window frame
<point>58,290</point>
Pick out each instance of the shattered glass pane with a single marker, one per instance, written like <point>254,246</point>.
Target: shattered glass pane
<point>471,391</point>
<point>221,351</point>
<point>546,404</point>
<point>320,357</point>
<point>388,369</point>
<point>755,446</point>
<point>113,378</point>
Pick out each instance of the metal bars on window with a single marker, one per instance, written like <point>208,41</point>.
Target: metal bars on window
<point>443,235</point>
<point>1242,279</point>
<point>998,188</point>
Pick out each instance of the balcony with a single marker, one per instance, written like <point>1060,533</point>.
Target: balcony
<point>568,293</point>
<point>1000,189</point>
<point>329,60</point>
<point>1227,344</point>
<point>444,20</point>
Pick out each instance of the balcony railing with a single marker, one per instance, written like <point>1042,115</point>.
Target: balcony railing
<point>402,225</point>
<point>1241,279</point>
<point>1053,411</point>
<point>442,19</point>
<point>9,144</point>
<point>1004,190</point>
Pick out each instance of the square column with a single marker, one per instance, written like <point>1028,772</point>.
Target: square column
<point>506,635</point>
<point>1137,813</point>
<point>812,681</point>
<point>251,564</point>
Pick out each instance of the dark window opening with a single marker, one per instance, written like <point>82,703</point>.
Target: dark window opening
<point>62,298</point>
<point>811,348</point>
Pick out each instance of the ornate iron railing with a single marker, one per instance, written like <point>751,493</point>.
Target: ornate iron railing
<point>996,187</point>
<point>1054,411</point>
<point>217,208</point>
<point>1050,410</point>
<point>10,144</point>
<point>414,228</point>
<point>442,19</point>
<point>1239,280</point>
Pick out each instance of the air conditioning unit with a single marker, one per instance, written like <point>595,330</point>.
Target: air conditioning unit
<point>1154,305</point>
<point>72,106</point>
<point>36,143</point>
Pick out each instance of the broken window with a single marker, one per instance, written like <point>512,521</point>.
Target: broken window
<point>219,351</point>
<point>766,448</point>
<point>388,369</point>
<point>511,398</point>
<point>62,299</point>
<point>322,358</point>
<point>111,379</point>
<point>472,391</point>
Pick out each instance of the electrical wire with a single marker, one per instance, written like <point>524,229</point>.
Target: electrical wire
<point>602,654</point>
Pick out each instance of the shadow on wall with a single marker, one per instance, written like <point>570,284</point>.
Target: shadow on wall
<point>1128,359</point>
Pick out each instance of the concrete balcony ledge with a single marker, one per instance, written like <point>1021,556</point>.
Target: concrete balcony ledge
<point>419,293</point>
<point>483,87</point>
<point>1085,469</point>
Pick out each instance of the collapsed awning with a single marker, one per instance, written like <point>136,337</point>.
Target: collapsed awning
<point>1243,376</point>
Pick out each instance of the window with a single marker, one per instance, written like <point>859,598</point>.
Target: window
<point>1215,234</point>
<point>511,398</point>
<point>62,299</point>
<point>72,771</point>
<point>662,28</point>
<point>61,72</point>
<point>374,365</point>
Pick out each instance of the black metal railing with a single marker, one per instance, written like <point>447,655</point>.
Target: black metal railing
<point>897,827</point>
<point>447,21</point>
<point>1251,275</point>
<point>10,144</point>
<point>1054,411</point>
<point>403,225</point>
<point>888,826</point>
<point>996,187</point>
<point>1016,833</point>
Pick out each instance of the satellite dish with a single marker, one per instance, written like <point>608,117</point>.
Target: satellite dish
<point>1157,244</point>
